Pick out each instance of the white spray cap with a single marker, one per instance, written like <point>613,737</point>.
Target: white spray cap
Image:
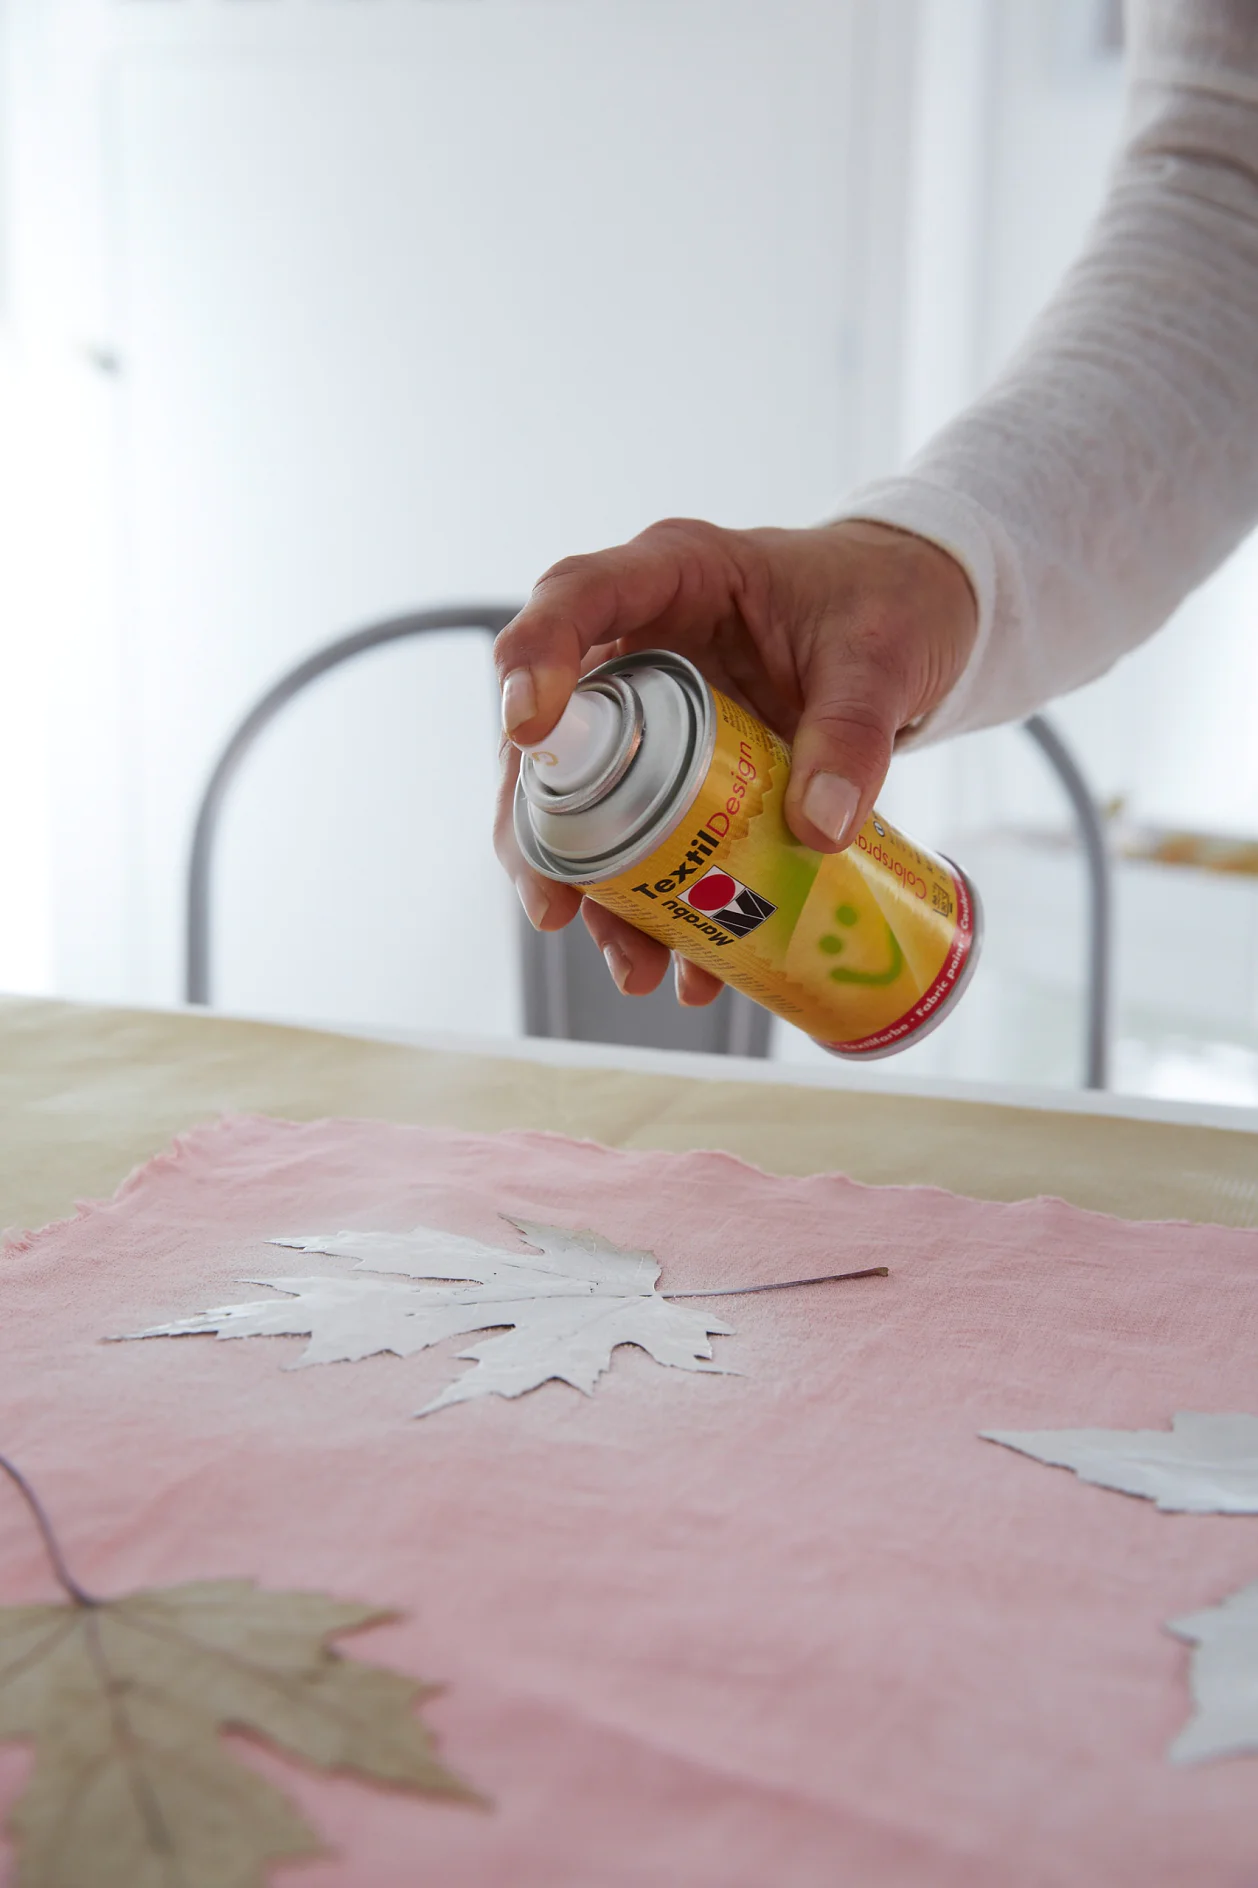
<point>580,744</point>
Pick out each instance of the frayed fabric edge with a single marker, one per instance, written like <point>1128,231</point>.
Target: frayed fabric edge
<point>17,1240</point>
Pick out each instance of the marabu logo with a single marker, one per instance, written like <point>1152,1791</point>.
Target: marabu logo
<point>736,908</point>
<point>716,904</point>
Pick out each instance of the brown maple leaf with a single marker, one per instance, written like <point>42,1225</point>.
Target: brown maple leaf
<point>125,1700</point>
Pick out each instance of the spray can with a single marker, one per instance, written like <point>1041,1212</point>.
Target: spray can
<point>662,800</point>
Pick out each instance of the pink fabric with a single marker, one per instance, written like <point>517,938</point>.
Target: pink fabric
<point>795,1628</point>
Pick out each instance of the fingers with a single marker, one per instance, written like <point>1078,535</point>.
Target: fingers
<point>585,601</point>
<point>852,670</point>
<point>853,708</point>
<point>636,962</point>
<point>548,905</point>
<point>892,640</point>
<point>696,987</point>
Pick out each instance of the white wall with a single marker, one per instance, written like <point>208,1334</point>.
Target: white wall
<point>410,300</point>
<point>61,756</point>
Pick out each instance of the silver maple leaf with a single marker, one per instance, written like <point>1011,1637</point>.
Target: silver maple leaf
<point>569,1302</point>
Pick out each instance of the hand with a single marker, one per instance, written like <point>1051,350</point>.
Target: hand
<point>838,637</point>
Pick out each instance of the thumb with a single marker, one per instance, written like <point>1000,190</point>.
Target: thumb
<point>842,749</point>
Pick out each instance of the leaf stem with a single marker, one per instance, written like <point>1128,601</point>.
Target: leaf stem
<point>52,1545</point>
<point>782,1284</point>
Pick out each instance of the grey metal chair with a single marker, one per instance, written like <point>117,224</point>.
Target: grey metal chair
<point>1100,909</point>
<point>567,992</point>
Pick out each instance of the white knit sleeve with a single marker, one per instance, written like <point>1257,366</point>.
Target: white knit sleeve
<point>1114,463</point>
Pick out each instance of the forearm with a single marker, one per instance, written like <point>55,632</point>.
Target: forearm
<point>1115,462</point>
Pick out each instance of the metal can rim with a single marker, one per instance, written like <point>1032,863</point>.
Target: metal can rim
<point>686,782</point>
<point>538,794</point>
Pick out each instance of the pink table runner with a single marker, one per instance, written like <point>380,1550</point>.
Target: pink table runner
<point>790,1629</point>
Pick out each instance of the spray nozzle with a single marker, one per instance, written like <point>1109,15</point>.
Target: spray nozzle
<point>580,745</point>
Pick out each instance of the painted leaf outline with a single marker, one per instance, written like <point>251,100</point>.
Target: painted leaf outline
<point>1204,1464</point>
<point>1224,1679</point>
<point>125,1700</point>
<point>562,1306</point>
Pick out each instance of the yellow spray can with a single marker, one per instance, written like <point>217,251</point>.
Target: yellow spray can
<point>662,799</point>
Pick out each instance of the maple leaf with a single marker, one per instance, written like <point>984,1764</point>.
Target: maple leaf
<point>1203,1465</point>
<point>124,1700</point>
<point>569,1302</point>
<point>1224,1679</point>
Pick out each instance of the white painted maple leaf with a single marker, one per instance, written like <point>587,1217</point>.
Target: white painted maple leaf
<point>570,1301</point>
<point>1224,1679</point>
<point>1202,1465</point>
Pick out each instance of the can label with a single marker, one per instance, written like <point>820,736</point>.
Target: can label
<point>859,948</point>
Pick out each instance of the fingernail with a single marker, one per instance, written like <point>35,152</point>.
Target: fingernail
<point>618,964</point>
<point>679,979</point>
<point>519,699</point>
<point>535,900</point>
<point>830,803</point>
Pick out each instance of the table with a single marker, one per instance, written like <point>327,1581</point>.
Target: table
<point>794,1623</point>
<point>87,1093</point>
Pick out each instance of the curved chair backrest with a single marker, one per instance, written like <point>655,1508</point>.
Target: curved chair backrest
<point>488,617</point>
<point>566,989</point>
<point>1100,871</point>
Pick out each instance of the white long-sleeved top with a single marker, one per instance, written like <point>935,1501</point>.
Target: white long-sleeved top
<point>1114,463</point>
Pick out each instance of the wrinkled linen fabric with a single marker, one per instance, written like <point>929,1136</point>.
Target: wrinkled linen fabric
<point>1114,463</point>
<point>793,1628</point>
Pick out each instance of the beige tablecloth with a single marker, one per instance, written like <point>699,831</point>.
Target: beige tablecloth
<point>86,1094</point>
